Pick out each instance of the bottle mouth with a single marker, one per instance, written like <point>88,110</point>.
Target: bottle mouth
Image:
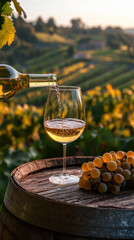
<point>66,88</point>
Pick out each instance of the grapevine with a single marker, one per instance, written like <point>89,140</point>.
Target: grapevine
<point>112,172</point>
<point>7,29</point>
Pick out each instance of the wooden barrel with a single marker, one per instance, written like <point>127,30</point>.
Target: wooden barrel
<point>34,208</point>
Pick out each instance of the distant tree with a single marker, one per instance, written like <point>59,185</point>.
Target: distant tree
<point>116,37</point>
<point>51,25</point>
<point>113,41</point>
<point>113,37</point>
<point>71,50</point>
<point>84,40</point>
<point>77,24</point>
<point>96,30</point>
<point>40,25</point>
<point>118,29</point>
<point>129,42</point>
<point>113,30</point>
<point>25,31</point>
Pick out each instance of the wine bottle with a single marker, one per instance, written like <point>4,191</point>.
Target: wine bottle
<point>11,81</point>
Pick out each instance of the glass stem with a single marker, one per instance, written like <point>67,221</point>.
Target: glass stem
<point>64,158</point>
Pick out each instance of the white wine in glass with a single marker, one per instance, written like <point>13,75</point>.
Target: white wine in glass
<point>64,122</point>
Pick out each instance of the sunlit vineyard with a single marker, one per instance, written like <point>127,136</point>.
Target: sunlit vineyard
<point>110,123</point>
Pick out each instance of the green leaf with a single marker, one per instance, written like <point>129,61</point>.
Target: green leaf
<point>2,2</point>
<point>6,9</point>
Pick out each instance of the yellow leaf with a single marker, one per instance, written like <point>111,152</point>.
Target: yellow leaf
<point>19,8</point>
<point>1,118</point>
<point>7,32</point>
<point>9,126</point>
<point>126,133</point>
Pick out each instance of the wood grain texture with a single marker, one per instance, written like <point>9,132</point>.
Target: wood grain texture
<point>33,199</point>
<point>12,228</point>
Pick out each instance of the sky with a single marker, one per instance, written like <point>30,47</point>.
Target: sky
<point>92,12</point>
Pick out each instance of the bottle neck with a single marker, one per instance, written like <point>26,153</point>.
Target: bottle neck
<point>42,80</point>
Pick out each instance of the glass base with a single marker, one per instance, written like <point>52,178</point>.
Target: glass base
<point>64,179</point>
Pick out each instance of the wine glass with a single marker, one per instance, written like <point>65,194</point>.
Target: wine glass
<point>64,122</point>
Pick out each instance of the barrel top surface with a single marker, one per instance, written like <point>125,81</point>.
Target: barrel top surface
<point>33,178</point>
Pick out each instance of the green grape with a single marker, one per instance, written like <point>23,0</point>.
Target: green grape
<point>125,165</point>
<point>112,152</point>
<point>118,170</point>
<point>130,153</point>
<point>90,165</point>
<point>120,154</point>
<point>84,167</point>
<point>118,163</point>
<point>95,173</point>
<point>130,159</point>
<point>86,175</point>
<point>87,185</point>
<point>107,157</point>
<point>102,187</point>
<point>106,177</point>
<point>98,161</point>
<point>111,165</point>
<point>115,189</point>
<point>114,157</point>
<point>118,178</point>
<point>80,183</point>
<point>127,174</point>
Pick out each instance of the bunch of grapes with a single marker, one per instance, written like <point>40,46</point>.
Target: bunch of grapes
<point>111,172</point>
